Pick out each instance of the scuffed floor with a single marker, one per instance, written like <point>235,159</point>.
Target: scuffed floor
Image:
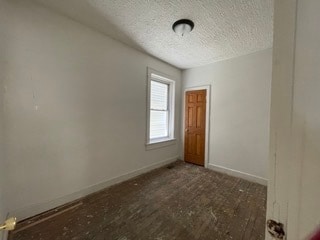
<point>183,202</point>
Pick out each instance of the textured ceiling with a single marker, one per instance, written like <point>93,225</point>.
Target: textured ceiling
<point>223,28</point>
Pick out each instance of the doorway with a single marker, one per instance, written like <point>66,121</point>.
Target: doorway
<point>195,126</point>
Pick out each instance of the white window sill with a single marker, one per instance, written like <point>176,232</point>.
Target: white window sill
<point>160,143</point>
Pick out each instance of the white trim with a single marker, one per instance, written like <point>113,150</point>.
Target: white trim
<point>239,174</point>
<point>161,144</point>
<point>208,104</point>
<point>161,77</point>
<point>37,208</point>
<point>4,235</point>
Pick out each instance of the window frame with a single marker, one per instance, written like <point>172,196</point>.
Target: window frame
<point>154,75</point>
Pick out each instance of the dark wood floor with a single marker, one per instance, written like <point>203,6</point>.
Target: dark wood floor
<point>183,202</point>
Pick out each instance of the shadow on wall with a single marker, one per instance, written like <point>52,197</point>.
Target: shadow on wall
<point>92,16</point>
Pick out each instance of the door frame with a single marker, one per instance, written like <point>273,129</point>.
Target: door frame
<point>208,104</point>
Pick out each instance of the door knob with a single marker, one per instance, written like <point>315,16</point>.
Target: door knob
<point>186,130</point>
<point>9,224</point>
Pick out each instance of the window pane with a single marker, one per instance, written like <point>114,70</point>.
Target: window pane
<point>159,95</point>
<point>158,124</point>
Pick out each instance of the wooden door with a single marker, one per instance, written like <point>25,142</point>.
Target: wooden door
<point>195,126</point>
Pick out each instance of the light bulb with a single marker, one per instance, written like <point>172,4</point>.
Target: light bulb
<point>183,27</point>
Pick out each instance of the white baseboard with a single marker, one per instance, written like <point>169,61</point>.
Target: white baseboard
<point>35,209</point>
<point>4,235</point>
<point>235,173</point>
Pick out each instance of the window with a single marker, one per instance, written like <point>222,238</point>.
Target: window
<point>160,108</point>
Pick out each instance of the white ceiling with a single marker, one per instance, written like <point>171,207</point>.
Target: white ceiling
<point>223,28</point>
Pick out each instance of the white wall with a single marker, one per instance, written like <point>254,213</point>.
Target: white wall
<point>3,210</point>
<point>75,107</point>
<point>307,111</point>
<point>3,205</point>
<point>294,193</point>
<point>281,163</point>
<point>240,102</point>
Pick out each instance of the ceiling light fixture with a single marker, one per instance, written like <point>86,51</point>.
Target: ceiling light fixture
<point>183,27</point>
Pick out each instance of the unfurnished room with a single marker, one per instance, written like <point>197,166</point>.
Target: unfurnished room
<point>159,120</point>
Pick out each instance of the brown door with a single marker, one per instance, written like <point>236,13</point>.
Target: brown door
<point>195,122</point>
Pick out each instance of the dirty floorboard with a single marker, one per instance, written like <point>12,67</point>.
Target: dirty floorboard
<point>182,201</point>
